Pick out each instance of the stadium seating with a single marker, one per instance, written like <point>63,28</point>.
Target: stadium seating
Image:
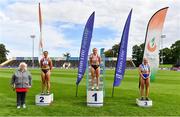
<point>58,62</point>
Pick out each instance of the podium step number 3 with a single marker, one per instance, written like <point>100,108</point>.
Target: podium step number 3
<point>44,100</point>
<point>144,103</point>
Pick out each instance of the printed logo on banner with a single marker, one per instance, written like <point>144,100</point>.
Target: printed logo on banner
<point>119,76</point>
<point>152,45</point>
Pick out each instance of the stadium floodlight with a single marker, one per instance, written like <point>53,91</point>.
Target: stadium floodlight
<point>32,37</point>
<point>161,55</point>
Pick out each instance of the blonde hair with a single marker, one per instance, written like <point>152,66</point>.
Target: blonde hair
<point>24,64</point>
<point>94,48</point>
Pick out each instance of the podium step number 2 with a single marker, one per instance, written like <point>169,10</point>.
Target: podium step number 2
<point>44,100</point>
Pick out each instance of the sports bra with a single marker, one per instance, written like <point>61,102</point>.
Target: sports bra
<point>94,59</point>
<point>45,63</point>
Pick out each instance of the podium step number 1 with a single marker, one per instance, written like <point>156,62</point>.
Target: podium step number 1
<point>44,100</point>
<point>95,97</point>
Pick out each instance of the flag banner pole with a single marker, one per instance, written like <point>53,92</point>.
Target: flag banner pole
<point>152,40</point>
<point>41,44</point>
<point>113,92</point>
<point>86,40</point>
<point>85,44</point>
<point>122,54</point>
<point>76,90</point>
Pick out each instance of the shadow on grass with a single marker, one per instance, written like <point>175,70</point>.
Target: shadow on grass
<point>82,104</point>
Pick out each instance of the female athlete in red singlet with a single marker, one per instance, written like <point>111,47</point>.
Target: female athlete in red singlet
<point>95,61</point>
<point>46,67</point>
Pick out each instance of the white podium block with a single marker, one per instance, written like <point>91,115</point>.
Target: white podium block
<point>44,100</point>
<point>144,103</point>
<point>95,98</point>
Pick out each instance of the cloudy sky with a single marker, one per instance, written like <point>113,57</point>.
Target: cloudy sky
<point>64,20</point>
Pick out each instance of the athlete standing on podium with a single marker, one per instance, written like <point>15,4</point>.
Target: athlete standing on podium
<point>95,61</point>
<point>144,73</point>
<point>46,67</point>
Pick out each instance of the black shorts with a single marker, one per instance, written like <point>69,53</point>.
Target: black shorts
<point>95,66</point>
<point>45,70</point>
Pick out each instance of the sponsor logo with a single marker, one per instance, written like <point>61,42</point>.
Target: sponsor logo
<point>119,76</point>
<point>152,45</point>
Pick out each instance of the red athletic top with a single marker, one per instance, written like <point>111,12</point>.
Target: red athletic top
<point>46,63</point>
<point>21,89</point>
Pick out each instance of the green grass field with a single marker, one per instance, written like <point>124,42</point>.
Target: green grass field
<point>165,66</point>
<point>165,93</point>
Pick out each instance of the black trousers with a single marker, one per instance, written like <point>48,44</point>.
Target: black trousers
<point>21,96</point>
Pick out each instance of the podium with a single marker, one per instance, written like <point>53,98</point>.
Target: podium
<point>44,100</point>
<point>144,103</point>
<point>95,98</point>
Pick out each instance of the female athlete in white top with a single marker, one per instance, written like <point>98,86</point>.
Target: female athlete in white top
<point>46,67</point>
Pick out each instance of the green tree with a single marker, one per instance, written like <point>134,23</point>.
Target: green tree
<point>113,52</point>
<point>175,49</point>
<point>137,54</point>
<point>108,53</point>
<point>3,53</point>
<point>166,55</point>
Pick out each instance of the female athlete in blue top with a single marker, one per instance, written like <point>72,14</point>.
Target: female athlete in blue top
<point>144,73</point>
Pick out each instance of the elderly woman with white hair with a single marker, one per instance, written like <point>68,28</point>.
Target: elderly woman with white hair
<point>21,81</point>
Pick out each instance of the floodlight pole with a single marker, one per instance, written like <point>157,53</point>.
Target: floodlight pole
<point>162,36</point>
<point>32,37</point>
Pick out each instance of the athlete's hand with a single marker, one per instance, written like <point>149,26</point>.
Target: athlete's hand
<point>142,76</point>
<point>13,87</point>
<point>29,86</point>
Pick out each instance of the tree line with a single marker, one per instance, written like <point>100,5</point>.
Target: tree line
<point>166,55</point>
<point>3,53</point>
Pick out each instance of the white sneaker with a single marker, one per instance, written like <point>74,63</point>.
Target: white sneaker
<point>97,88</point>
<point>24,106</point>
<point>48,92</point>
<point>18,107</point>
<point>92,88</point>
